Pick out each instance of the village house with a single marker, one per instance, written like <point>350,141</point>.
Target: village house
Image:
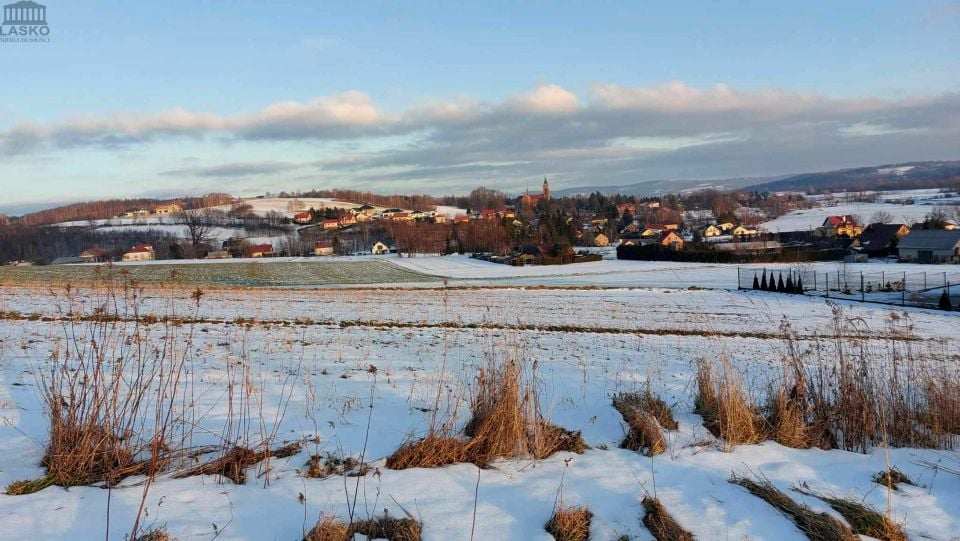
<point>741,231</point>
<point>878,240</point>
<point>631,229</point>
<point>303,217</point>
<point>626,207</point>
<point>843,225</point>
<point>671,239</point>
<point>439,219</point>
<point>323,247</point>
<point>726,227</point>
<point>347,219</point>
<point>172,208</point>
<point>601,240</point>
<point>136,213</point>
<point>930,246</point>
<point>488,214</point>
<point>258,250</point>
<point>330,223</point>
<point>140,252</point>
<point>94,255</point>
<point>401,217</point>
<point>712,231</point>
<point>379,248</point>
<point>461,219</point>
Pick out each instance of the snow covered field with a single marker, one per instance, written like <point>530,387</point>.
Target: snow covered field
<point>805,220</point>
<point>297,363</point>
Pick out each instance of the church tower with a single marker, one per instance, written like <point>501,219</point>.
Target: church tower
<point>546,189</point>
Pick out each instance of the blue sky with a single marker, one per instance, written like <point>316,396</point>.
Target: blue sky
<point>132,98</point>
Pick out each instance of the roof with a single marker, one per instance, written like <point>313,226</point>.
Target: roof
<point>878,236</point>
<point>97,252</point>
<point>140,248</point>
<point>323,244</point>
<point>931,239</point>
<point>837,221</point>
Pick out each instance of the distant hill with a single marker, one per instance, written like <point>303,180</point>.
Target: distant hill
<point>897,176</point>
<point>660,187</point>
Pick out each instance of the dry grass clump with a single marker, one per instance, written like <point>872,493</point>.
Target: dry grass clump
<point>234,463</point>
<point>433,451</point>
<point>380,527</point>
<point>891,477</point>
<point>862,519</point>
<point>570,524</point>
<point>19,488</point>
<point>661,524</point>
<point>644,414</point>
<point>109,392</point>
<point>816,526</point>
<point>726,411</point>
<point>321,467</point>
<point>328,529</point>
<point>506,422</point>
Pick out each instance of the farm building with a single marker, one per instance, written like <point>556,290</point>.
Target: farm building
<point>379,249</point>
<point>931,246</point>
<point>140,252</point>
<point>258,250</point>
<point>323,247</point>
<point>94,255</point>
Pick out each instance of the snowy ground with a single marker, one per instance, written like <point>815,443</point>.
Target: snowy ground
<point>588,344</point>
<point>805,220</point>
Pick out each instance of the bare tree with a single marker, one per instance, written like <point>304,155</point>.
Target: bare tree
<point>199,226</point>
<point>881,217</point>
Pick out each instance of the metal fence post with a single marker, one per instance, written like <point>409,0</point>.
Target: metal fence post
<point>862,296</point>
<point>826,286</point>
<point>903,290</point>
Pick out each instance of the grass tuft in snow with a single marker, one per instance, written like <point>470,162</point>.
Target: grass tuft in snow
<point>862,519</point>
<point>644,414</point>
<point>660,523</point>
<point>570,524</point>
<point>233,464</point>
<point>816,526</point>
<point>506,423</point>
<point>892,477</point>
<point>20,488</point>
<point>321,467</point>
<point>380,527</point>
<point>727,412</point>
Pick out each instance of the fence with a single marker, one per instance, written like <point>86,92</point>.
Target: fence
<point>906,288</point>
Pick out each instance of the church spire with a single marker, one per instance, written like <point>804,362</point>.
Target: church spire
<point>546,189</point>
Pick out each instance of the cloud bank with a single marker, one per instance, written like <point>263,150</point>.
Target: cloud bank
<point>612,134</point>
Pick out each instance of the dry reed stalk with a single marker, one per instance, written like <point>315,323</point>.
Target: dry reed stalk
<point>661,524</point>
<point>570,524</point>
<point>816,526</point>
<point>725,409</point>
